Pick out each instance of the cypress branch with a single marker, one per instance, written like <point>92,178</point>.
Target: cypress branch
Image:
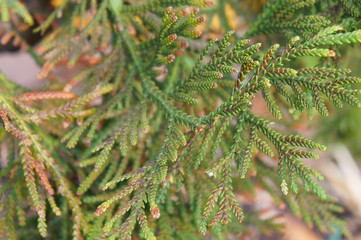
<point>161,123</point>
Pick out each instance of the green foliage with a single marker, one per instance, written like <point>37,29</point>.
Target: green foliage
<point>14,5</point>
<point>160,154</point>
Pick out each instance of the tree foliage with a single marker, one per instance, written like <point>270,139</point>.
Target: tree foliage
<point>160,155</point>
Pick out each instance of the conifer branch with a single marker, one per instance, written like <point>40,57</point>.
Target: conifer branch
<point>166,140</point>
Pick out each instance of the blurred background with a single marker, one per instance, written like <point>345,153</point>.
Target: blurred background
<point>341,132</point>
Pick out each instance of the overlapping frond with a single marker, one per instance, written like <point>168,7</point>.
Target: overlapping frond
<point>168,141</point>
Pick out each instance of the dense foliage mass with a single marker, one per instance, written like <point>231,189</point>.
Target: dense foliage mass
<point>152,147</point>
